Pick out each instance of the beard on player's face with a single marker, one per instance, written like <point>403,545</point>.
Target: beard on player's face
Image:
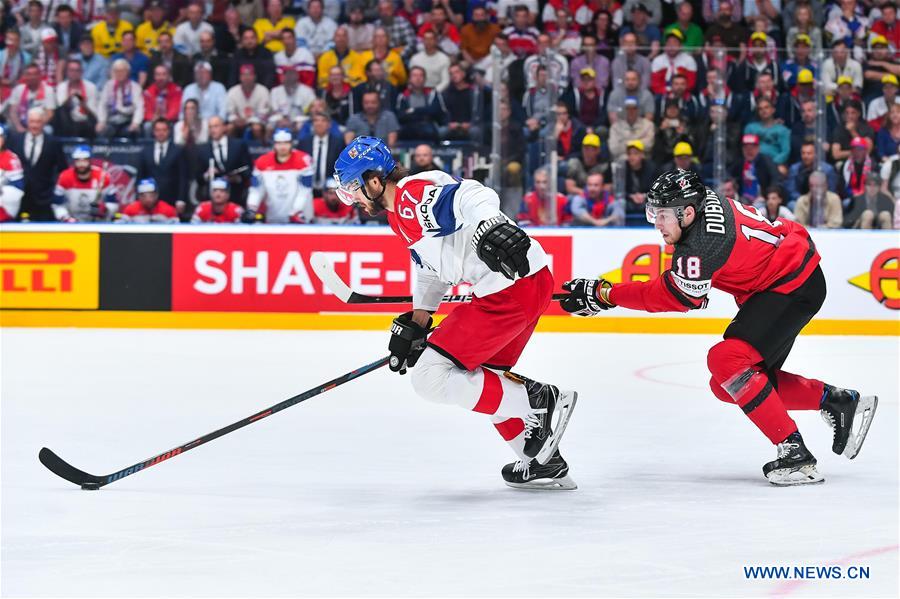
<point>374,189</point>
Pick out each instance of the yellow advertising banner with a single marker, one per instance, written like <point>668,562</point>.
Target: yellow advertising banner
<point>49,270</point>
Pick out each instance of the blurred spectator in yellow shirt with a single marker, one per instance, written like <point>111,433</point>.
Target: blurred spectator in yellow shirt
<point>147,33</point>
<point>107,33</point>
<point>268,30</point>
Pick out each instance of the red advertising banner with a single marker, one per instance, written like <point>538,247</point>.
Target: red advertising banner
<point>271,272</point>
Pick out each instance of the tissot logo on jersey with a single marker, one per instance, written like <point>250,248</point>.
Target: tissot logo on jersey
<point>692,288</point>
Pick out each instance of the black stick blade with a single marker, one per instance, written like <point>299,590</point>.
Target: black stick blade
<point>63,469</point>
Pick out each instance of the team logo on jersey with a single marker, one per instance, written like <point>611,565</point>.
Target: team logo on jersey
<point>883,279</point>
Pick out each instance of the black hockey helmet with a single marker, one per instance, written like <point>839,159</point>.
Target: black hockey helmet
<point>675,189</point>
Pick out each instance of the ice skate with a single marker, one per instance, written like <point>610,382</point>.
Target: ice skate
<point>795,465</point>
<point>545,426</point>
<point>552,476</point>
<point>841,409</point>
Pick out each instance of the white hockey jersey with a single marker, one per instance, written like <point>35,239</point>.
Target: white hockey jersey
<point>12,185</point>
<point>72,198</point>
<point>285,187</point>
<point>436,216</point>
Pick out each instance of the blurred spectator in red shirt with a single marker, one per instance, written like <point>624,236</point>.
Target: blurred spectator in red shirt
<point>534,204</point>
<point>337,95</point>
<point>49,59</point>
<point>410,11</point>
<point>300,59</point>
<point>888,27</point>
<point>162,100</point>
<point>448,37</point>
<point>590,207</point>
<point>673,61</point>
<point>521,35</point>
<point>564,32</point>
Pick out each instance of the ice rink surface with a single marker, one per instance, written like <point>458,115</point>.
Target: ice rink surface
<point>368,490</point>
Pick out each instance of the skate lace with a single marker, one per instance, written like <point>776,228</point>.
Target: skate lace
<point>829,417</point>
<point>532,421</point>
<point>522,466</point>
<point>785,448</point>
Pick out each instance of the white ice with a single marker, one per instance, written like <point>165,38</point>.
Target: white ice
<point>368,490</point>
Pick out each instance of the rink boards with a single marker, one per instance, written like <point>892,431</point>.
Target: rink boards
<point>246,277</point>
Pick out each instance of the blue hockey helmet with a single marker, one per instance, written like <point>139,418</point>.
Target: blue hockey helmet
<point>146,186</point>
<point>81,152</point>
<point>364,154</point>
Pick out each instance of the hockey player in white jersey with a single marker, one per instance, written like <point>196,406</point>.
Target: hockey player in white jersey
<point>456,233</point>
<point>282,183</point>
<point>84,193</point>
<point>12,181</point>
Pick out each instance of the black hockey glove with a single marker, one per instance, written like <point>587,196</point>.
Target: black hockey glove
<point>98,209</point>
<point>407,342</point>
<point>249,217</point>
<point>503,247</point>
<point>587,297</point>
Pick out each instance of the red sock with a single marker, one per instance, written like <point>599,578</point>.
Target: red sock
<point>733,364</point>
<point>799,393</point>
<point>763,406</point>
<point>511,430</point>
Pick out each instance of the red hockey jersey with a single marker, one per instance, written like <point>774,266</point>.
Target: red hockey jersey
<point>161,213</point>
<point>342,215</point>
<point>731,247</point>
<point>231,213</point>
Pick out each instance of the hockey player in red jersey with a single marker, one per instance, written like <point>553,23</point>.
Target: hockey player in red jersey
<point>12,181</point>
<point>772,270</point>
<point>148,208</point>
<point>218,209</point>
<point>84,193</point>
<point>456,233</point>
<point>330,210</point>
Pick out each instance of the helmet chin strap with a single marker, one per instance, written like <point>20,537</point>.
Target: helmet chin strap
<point>679,214</point>
<point>376,199</point>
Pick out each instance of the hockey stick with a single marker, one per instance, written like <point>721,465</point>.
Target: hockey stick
<point>324,269</point>
<point>63,469</point>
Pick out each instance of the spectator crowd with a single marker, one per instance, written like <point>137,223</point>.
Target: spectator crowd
<point>240,107</point>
